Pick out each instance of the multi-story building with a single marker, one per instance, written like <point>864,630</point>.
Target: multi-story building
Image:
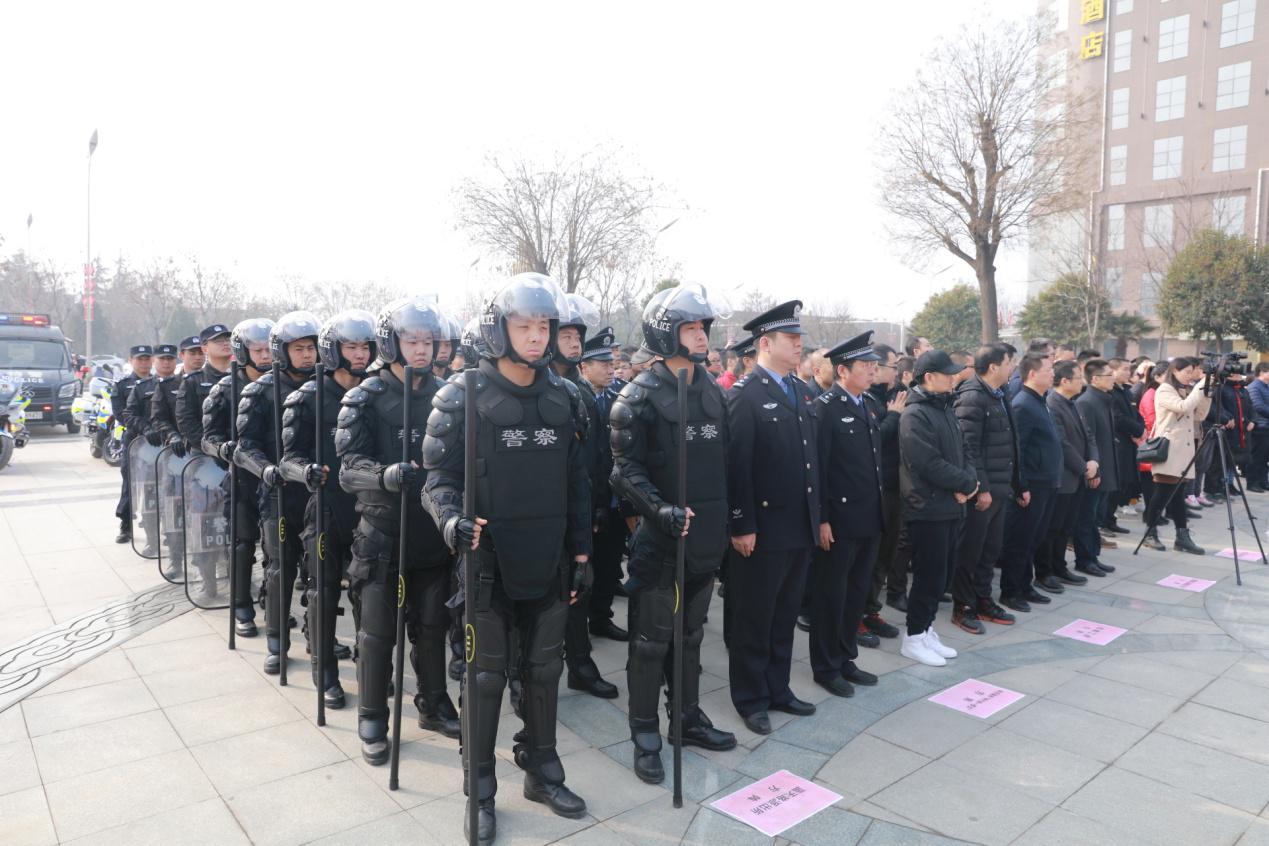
<point>1183,137</point>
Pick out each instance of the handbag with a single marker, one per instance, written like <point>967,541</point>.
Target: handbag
<point>1153,450</point>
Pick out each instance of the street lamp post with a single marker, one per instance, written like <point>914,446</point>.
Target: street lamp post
<point>90,272</point>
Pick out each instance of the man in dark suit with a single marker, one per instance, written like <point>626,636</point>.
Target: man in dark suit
<point>1079,472</point>
<point>1095,405</point>
<point>848,434</point>
<point>1129,430</point>
<point>773,493</point>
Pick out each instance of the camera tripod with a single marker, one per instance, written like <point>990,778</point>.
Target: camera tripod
<point>1227,461</point>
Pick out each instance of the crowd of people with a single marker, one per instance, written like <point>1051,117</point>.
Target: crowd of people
<point>880,477</point>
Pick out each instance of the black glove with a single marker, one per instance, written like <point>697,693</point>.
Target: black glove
<point>583,578</point>
<point>178,447</point>
<point>313,477</point>
<point>459,532</point>
<point>394,477</point>
<point>153,438</point>
<point>671,519</point>
<point>226,451</point>
<point>271,477</point>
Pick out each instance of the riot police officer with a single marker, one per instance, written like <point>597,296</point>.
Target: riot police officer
<point>163,431</point>
<point>368,443</point>
<point>532,535</point>
<point>447,347</point>
<point>138,415</point>
<point>249,345</point>
<point>141,359</point>
<point>646,422</point>
<point>346,347</point>
<point>293,342</point>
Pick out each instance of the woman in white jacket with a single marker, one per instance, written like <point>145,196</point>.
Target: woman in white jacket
<point>1179,404</point>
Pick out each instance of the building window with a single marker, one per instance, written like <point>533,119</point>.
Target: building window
<point>1115,227</point>
<point>1151,282</point>
<point>1114,280</point>
<point>1238,22</point>
<point>1174,38</point>
<point>1123,50</point>
<point>1233,86</point>
<point>1119,109</point>
<point>1056,70</point>
<point>1119,164</point>
<point>1229,215</point>
<point>1123,7</point>
<point>1157,231</point>
<point>1167,157</point>
<point>1169,99</point>
<point>1229,149</point>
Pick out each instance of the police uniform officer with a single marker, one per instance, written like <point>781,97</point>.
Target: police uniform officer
<point>348,333</point>
<point>533,530</point>
<point>773,482</point>
<point>848,435</point>
<point>139,415</point>
<point>141,359</point>
<point>249,346</point>
<point>197,383</point>
<point>646,421</point>
<point>368,443</point>
<point>257,454</point>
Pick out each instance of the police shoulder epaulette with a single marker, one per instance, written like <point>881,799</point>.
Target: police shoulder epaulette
<point>825,398</point>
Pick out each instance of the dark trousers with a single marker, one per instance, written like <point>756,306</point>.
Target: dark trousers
<point>124,509</point>
<point>1050,555</point>
<point>982,537</point>
<point>1259,465</point>
<point>1088,541</point>
<point>609,546</point>
<point>765,591</point>
<point>1026,527</point>
<point>893,555</point>
<point>840,581</point>
<point>1176,506</point>
<point>933,557</point>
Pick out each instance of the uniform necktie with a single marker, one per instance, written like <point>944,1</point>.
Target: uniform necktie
<point>790,390</point>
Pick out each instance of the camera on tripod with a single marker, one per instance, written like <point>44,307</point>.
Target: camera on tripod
<point>1219,365</point>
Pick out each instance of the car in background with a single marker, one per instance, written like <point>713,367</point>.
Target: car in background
<point>37,356</point>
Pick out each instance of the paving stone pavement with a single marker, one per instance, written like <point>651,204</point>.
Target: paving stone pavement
<point>1161,737</point>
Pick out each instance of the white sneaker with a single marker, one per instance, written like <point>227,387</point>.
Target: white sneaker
<point>932,641</point>
<point>918,649</point>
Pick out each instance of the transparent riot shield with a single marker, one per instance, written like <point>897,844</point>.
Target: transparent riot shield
<point>171,514</point>
<point>208,547</point>
<point>144,493</point>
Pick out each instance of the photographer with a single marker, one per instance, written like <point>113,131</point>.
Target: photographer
<point>1236,412</point>
<point>1258,469</point>
<point>1178,403</point>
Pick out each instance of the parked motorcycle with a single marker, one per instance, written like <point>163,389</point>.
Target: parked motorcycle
<point>13,431</point>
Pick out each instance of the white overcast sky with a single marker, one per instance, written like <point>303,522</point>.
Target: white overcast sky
<point>324,140</point>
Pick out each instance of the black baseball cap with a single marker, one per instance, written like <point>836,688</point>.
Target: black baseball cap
<point>193,342</point>
<point>165,350</point>
<point>141,349</point>
<point>936,361</point>
<point>213,331</point>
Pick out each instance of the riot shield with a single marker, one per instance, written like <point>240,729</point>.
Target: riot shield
<point>143,488</point>
<point>171,515</point>
<point>208,549</point>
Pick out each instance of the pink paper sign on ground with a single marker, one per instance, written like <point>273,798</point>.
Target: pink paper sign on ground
<point>776,803</point>
<point>1090,632</point>
<point>978,699</point>
<point>1243,554</point>
<point>1186,583</point>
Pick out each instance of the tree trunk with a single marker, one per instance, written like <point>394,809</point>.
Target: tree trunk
<point>985,270</point>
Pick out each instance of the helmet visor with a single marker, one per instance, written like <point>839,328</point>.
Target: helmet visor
<point>531,296</point>
<point>694,301</point>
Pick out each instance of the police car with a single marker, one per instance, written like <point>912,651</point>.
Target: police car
<point>37,356</point>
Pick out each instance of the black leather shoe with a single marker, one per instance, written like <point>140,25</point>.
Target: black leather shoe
<point>867,639</point>
<point>1051,584</point>
<point>1016,603</point>
<point>443,719</point>
<point>837,686</point>
<point>648,766</point>
<point>854,675</point>
<point>1104,567</point>
<point>804,622</point>
<point>1118,529</point>
<point>1035,596</point>
<point>557,797</point>
<point>334,696</point>
<point>879,626</point>
<point>272,664</point>
<point>375,752</point>
<point>704,735</point>
<point>342,652</point>
<point>758,722</point>
<point>246,628</point>
<point>124,536</point>
<point>610,630</point>
<point>1067,577</point>
<point>595,686</point>
<point>897,601</point>
<point>486,822</point>
<point>796,707</point>
<point>1091,570</point>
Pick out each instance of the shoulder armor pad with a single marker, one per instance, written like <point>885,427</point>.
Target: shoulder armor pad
<point>450,398</point>
<point>571,387</point>
<point>252,389</point>
<point>552,377</point>
<point>623,413</point>
<point>373,385</point>
<point>355,396</point>
<point>297,396</point>
<point>309,387</point>
<point>634,392</point>
<point>647,379</point>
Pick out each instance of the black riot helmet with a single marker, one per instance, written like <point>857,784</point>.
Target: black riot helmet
<point>353,325</point>
<point>472,345</point>
<point>526,295</point>
<point>292,326</point>
<point>583,315</point>
<point>670,309</point>
<point>405,317</point>
<point>254,330</point>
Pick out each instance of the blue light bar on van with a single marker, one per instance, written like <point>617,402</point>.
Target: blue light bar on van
<point>17,318</point>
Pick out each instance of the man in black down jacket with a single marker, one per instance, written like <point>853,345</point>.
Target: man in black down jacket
<point>1079,472</point>
<point>935,481</point>
<point>991,449</point>
<point>1096,407</point>
<point>1129,428</point>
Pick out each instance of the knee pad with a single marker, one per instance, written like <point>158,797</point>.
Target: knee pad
<point>546,672</point>
<point>649,652</point>
<point>490,683</point>
<point>692,639</point>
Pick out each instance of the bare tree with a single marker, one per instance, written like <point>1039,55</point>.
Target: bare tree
<point>153,294</point>
<point>208,292</point>
<point>980,145</point>
<point>566,219</point>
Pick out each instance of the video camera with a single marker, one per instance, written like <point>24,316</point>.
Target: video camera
<point>1220,365</point>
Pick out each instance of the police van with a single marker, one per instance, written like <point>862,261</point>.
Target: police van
<point>36,355</point>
